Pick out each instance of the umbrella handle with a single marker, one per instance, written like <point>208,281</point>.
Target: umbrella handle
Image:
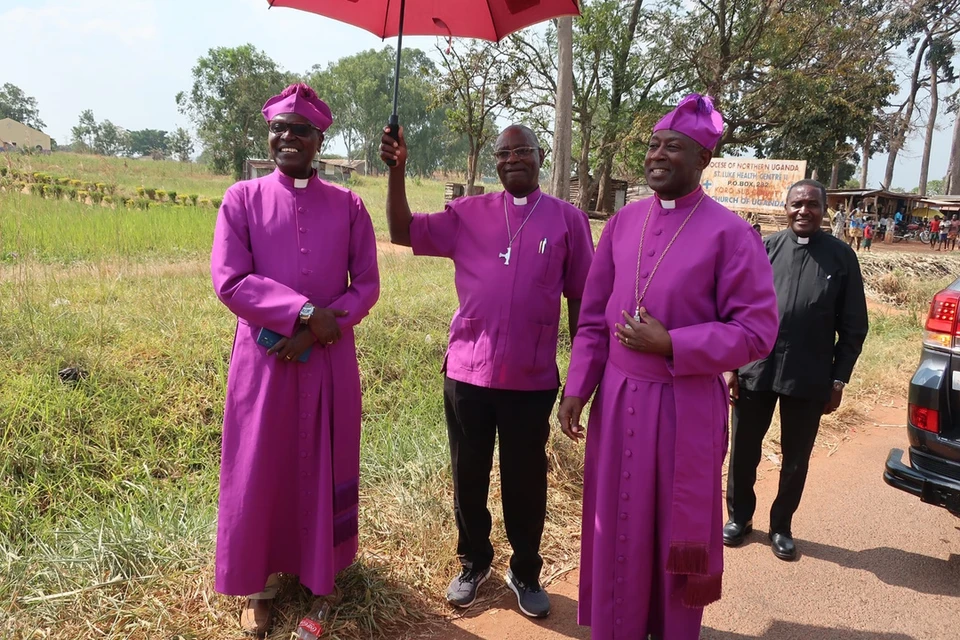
<point>393,130</point>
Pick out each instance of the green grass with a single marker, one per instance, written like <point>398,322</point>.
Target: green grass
<point>108,486</point>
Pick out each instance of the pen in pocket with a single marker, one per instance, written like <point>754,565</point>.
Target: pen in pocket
<point>543,245</point>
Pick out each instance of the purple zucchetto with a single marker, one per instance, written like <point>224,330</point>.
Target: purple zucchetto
<point>301,100</point>
<point>696,118</point>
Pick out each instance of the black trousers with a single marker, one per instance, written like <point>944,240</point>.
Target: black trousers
<point>799,423</point>
<point>475,415</point>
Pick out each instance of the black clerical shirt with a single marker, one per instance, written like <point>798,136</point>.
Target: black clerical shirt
<point>823,317</point>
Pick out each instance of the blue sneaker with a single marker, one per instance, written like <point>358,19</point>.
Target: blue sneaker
<point>533,600</point>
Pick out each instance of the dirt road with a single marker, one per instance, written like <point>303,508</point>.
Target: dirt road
<point>875,564</point>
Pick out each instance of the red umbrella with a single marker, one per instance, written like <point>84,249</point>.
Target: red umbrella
<point>482,19</point>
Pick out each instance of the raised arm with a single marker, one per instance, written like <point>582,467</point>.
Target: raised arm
<point>399,216</point>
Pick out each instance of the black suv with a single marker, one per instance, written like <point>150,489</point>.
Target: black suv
<point>933,414</point>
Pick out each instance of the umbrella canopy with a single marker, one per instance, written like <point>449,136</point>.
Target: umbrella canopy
<point>483,19</point>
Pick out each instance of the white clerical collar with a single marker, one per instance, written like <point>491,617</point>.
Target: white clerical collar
<point>803,240</point>
<point>300,183</point>
<point>668,204</point>
<point>520,201</point>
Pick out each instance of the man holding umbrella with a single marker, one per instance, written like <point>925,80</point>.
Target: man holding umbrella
<point>515,253</point>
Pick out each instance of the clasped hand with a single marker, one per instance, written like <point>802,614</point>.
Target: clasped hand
<point>648,335</point>
<point>323,328</point>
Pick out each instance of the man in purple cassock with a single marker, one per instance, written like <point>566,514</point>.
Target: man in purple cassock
<point>295,259</point>
<point>680,290</point>
<point>515,253</point>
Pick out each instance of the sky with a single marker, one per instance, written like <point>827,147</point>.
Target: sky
<point>127,59</point>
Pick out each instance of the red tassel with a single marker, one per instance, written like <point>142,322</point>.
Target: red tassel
<point>702,590</point>
<point>689,558</point>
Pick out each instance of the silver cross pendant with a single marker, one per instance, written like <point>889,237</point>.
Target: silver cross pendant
<point>506,256</point>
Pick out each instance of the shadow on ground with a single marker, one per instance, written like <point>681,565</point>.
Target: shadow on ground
<point>780,630</point>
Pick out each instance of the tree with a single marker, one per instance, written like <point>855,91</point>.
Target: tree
<point>149,142</point>
<point>939,61</point>
<point>953,167</point>
<point>84,132</point>
<point>110,140</point>
<point>933,188</point>
<point>230,86</point>
<point>563,123</point>
<point>181,145</point>
<point>478,86</point>
<point>359,91</point>
<point>16,105</point>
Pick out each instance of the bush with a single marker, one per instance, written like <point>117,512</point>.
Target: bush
<point>111,189</point>
<point>82,195</point>
<point>172,195</point>
<point>204,202</point>
<point>71,193</point>
<point>151,193</point>
<point>101,187</point>
<point>140,191</point>
<point>63,181</point>
<point>123,200</point>
<point>143,203</point>
<point>57,190</point>
<point>161,195</point>
<point>41,178</point>
<point>46,190</point>
<point>3,172</point>
<point>216,202</point>
<point>108,199</point>
<point>90,186</point>
<point>76,184</point>
<point>194,198</point>
<point>31,188</point>
<point>96,196</point>
<point>19,186</point>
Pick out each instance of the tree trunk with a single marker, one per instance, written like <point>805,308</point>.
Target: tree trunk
<point>604,185</point>
<point>563,124</point>
<point>583,169</point>
<point>471,167</point>
<point>902,127</point>
<point>865,162</point>
<point>931,127</point>
<point>835,175</point>
<point>953,173</point>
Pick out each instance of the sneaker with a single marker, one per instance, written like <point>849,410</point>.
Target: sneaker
<point>463,589</point>
<point>533,600</point>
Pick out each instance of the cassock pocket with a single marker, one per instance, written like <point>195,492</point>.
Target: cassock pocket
<point>550,268</point>
<point>463,343</point>
<point>824,291</point>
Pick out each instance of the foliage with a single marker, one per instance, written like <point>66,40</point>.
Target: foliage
<point>230,86</point>
<point>149,142</point>
<point>16,105</point>
<point>181,144</point>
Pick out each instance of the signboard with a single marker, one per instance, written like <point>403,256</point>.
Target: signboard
<point>751,185</point>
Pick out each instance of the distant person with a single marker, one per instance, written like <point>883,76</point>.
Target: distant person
<point>944,233</point>
<point>680,290</point>
<point>839,223</point>
<point>756,227</point>
<point>823,324</point>
<point>953,232</point>
<point>934,231</point>
<point>515,253</point>
<point>882,231</point>
<point>295,256</point>
<point>856,229</point>
<point>867,235</point>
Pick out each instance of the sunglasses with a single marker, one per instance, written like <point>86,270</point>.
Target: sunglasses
<point>297,129</point>
<point>522,153</point>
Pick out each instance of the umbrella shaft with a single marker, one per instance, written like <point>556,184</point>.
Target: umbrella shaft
<point>396,70</point>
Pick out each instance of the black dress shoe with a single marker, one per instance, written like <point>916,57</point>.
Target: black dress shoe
<point>783,546</point>
<point>734,533</point>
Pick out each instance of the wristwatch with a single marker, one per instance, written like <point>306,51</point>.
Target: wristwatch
<point>306,312</point>
<point>838,385</point>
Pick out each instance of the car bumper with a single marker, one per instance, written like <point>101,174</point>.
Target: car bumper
<point>929,488</point>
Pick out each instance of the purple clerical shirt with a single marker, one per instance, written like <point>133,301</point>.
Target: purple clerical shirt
<point>504,334</point>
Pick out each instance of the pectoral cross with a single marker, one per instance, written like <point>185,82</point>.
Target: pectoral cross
<point>636,316</point>
<point>506,256</point>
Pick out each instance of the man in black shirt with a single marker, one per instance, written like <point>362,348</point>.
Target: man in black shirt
<point>823,323</point>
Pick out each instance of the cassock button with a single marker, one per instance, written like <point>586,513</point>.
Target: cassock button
<point>623,516</point>
<point>304,415</point>
<point>650,253</point>
<point>304,531</point>
<point>621,559</point>
<point>619,600</point>
<point>658,232</point>
<point>304,251</point>
<point>304,271</point>
<point>620,580</point>
<point>626,475</point>
<point>624,496</point>
<point>303,454</point>
<point>303,395</point>
<point>633,387</point>
<point>644,274</point>
<point>628,453</point>
<point>629,432</point>
<point>623,538</point>
<point>630,410</point>
<point>303,229</point>
<point>300,209</point>
<point>303,434</point>
<point>619,621</point>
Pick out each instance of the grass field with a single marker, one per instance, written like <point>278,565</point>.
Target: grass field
<point>108,486</point>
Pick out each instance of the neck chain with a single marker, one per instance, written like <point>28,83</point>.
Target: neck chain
<point>510,238</point>
<point>637,292</point>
